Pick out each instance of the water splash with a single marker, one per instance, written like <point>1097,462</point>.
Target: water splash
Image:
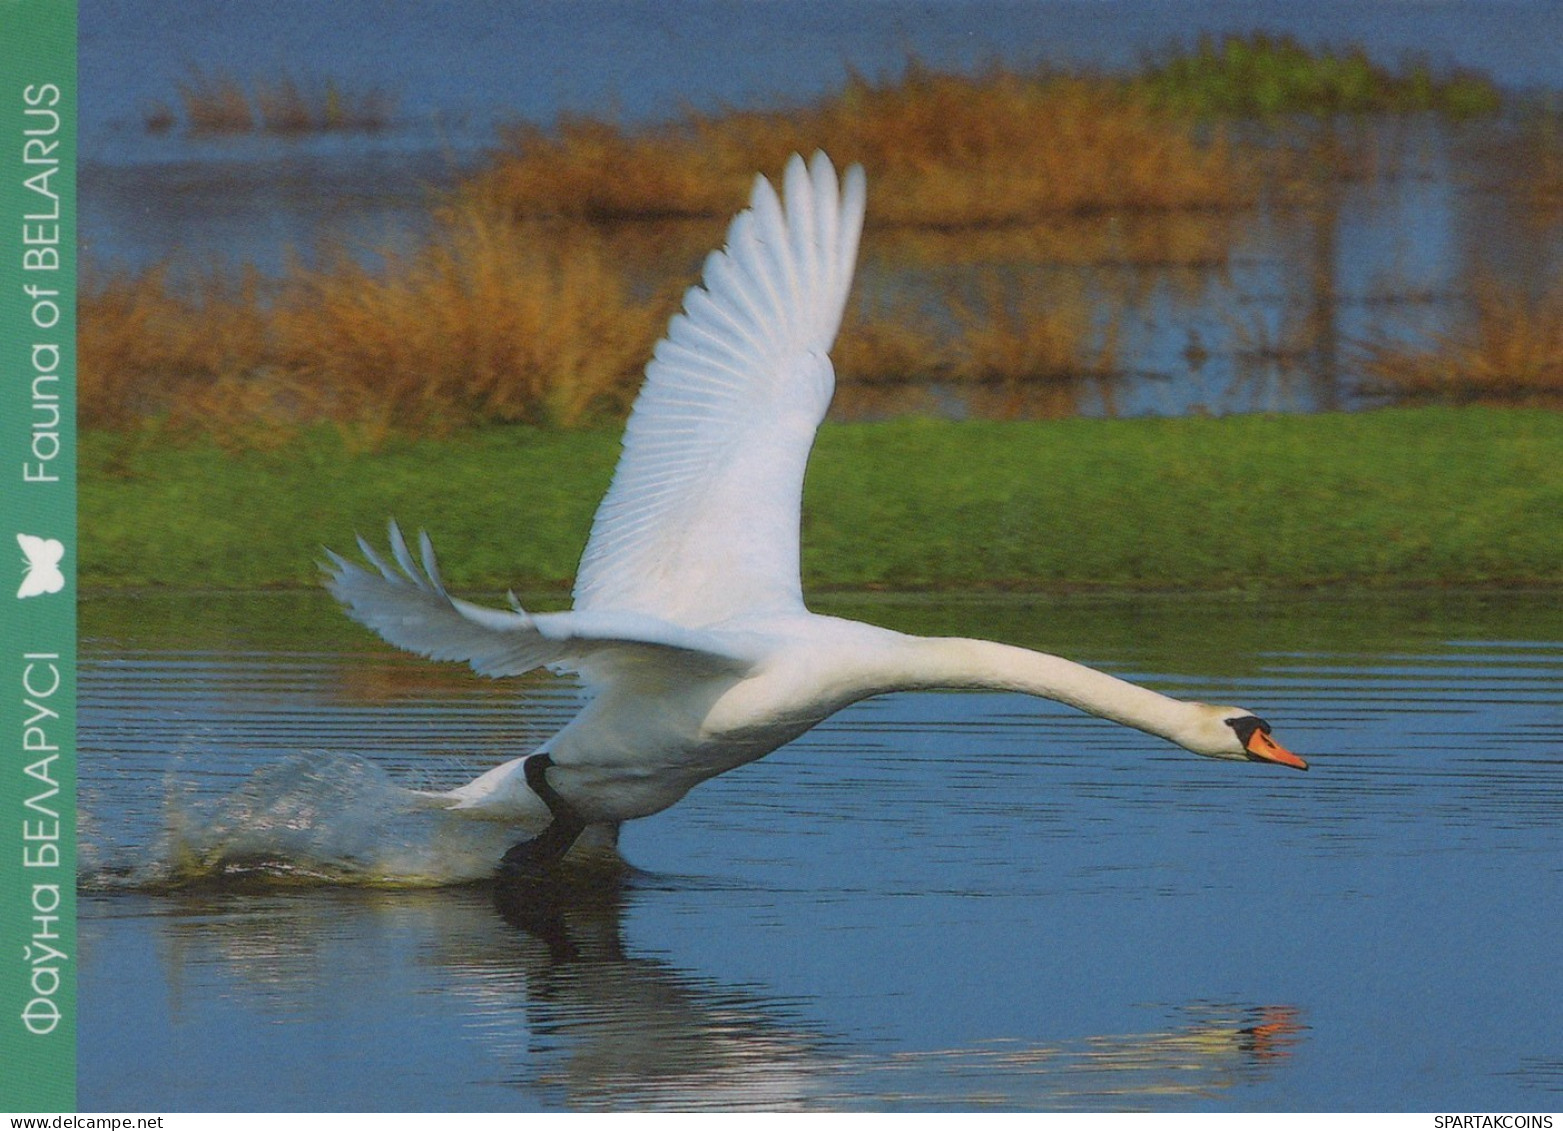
<point>308,819</point>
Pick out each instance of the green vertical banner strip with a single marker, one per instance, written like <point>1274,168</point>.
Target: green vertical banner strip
<point>38,540</point>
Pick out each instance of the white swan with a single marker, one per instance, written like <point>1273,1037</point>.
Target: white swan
<point>689,626</point>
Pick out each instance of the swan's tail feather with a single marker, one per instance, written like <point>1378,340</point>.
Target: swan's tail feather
<point>423,799</point>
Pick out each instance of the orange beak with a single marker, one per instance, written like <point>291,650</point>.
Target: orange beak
<point>1262,748</point>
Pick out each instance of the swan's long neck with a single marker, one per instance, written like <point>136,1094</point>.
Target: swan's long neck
<point>953,662</point>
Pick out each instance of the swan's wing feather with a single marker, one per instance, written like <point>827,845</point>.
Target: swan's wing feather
<point>409,606</point>
<point>701,521</point>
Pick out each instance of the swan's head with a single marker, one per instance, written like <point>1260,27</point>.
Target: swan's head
<point>1237,734</point>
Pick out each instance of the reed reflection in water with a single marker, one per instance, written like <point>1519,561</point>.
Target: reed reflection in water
<point>934,901</point>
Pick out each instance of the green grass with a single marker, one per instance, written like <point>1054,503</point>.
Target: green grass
<point>1416,497</point>
<point>1260,75</point>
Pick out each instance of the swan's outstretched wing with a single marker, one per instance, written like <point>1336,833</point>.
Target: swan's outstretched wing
<point>410,608</point>
<point>701,522</point>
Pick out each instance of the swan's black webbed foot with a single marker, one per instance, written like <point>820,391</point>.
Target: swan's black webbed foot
<point>546,849</point>
<point>542,851</point>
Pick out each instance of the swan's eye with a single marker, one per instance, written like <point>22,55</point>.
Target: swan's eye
<point>1245,727</point>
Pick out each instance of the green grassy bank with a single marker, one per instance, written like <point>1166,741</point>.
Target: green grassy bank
<point>1413,497</point>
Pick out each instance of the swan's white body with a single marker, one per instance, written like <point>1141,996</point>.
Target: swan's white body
<point>688,625</point>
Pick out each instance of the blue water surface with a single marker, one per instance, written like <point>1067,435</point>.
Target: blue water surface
<point>960,901</point>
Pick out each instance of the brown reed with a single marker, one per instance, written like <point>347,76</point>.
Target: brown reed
<point>487,321</point>
<point>995,328</point>
<point>1030,330</point>
<point>148,351</point>
<point>219,103</point>
<point>491,321</point>
<point>891,343</point>
<point>215,103</point>
<point>1510,351</point>
<point>284,109</point>
<point>1545,178</point>
<point>944,150</point>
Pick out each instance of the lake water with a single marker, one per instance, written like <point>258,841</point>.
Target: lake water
<point>1213,314</point>
<point>972,901</point>
<point>935,901</point>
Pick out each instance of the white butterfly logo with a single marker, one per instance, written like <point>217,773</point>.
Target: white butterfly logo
<point>43,565</point>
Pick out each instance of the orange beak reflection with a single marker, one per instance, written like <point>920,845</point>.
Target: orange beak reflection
<point>1262,748</point>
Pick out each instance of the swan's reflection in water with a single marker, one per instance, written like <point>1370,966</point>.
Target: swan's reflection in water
<point>545,1004</point>
<point>641,1033</point>
<point>620,1030</point>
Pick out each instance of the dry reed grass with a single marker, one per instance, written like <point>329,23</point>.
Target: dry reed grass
<point>147,351</point>
<point>491,321</point>
<point>894,343</point>
<point>215,103</point>
<point>1311,162</point>
<point>1175,239</point>
<point>485,322</point>
<point>943,150</point>
<point>488,321</point>
<point>510,311</point>
<point>219,103</point>
<point>1033,332</point>
<point>1545,174</point>
<point>1511,351</point>
<point>941,400</point>
<point>996,328</point>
